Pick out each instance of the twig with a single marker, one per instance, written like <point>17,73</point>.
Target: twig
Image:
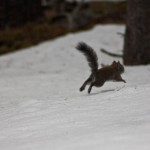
<point>110,54</point>
<point>122,34</point>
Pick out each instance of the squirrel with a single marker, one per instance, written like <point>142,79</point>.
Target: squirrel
<point>99,76</point>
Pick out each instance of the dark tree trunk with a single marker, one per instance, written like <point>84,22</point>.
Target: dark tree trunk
<point>137,37</point>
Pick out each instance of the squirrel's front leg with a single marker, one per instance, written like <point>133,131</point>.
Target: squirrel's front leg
<point>119,78</point>
<point>123,81</point>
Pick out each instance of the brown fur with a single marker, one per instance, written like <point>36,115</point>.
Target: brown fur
<point>100,76</point>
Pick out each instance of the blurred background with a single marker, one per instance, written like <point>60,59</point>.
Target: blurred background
<point>24,23</point>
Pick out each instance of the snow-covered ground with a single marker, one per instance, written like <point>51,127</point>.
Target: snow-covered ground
<point>41,107</point>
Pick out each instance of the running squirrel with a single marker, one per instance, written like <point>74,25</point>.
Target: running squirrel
<point>99,76</point>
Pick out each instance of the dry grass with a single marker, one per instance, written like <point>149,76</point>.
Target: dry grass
<point>31,34</point>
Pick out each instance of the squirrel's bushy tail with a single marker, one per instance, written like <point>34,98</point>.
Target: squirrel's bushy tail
<point>89,54</point>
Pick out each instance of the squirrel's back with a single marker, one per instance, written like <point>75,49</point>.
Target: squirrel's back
<point>111,72</point>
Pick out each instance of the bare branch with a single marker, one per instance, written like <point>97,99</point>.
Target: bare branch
<point>110,54</point>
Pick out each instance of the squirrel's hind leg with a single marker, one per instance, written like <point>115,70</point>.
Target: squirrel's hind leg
<point>90,87</point>
<point>88,81</point>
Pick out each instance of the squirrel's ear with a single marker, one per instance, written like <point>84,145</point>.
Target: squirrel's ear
<point>114,62</point>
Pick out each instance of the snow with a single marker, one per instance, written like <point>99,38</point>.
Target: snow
<point>41,107</point>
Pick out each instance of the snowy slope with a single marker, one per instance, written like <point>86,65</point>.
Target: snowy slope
<point>42,109</point>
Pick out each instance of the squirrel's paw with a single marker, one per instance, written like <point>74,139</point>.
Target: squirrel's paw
<point>124,81</point>
<point>81,89</point>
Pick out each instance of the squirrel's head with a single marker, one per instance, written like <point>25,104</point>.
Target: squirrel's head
<point>119,67</point>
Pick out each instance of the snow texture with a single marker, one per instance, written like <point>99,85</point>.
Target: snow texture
<point>41,107</point>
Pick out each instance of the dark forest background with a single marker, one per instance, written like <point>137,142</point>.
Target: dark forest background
<point>24,23</point>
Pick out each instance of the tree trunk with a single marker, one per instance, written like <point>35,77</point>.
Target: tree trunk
<point>137,36</point>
